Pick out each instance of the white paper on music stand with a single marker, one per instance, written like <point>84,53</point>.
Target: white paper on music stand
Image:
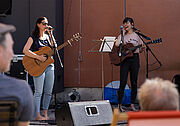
<point>108,44</point>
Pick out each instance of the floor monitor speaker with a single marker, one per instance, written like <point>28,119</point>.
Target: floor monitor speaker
<point>86,113</point>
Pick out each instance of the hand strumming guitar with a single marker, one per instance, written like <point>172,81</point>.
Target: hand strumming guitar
<point>142,49</point>
<point>42,58</point>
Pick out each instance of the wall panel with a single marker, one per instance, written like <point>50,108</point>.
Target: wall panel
<point>159,19</point>
<point>99,18</point>
<point>104,17</point>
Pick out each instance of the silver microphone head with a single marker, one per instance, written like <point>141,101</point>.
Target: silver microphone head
<point>49,27</point>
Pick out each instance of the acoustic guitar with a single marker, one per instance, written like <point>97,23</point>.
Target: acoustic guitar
<point>127,51</point>
<point>35,67</point>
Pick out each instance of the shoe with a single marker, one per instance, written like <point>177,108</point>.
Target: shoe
<point>120,108</point>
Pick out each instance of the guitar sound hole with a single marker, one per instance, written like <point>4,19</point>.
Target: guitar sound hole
<point>37,61</point>
<point>46,56</point>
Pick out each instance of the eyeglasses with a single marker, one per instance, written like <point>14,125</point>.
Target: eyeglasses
<point>44,23</point>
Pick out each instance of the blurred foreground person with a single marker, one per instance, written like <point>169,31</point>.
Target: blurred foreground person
<point>12,88</point>
<point>157,95</point>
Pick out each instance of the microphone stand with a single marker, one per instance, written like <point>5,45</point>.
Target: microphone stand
<point>121,44</point>
<point>120,54</point>
<point>55,52</point>
<point>147,49</point>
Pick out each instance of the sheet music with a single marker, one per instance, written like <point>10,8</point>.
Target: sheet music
<point>107,44</point>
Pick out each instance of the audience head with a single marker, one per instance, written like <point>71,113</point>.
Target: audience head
<point>6,46</point>
<point>158,94</point>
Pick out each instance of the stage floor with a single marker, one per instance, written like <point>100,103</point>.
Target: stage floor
<point>52,121</point>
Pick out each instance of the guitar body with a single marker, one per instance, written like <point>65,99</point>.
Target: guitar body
<point>114,55</point>
<point>36,67</point>
<point>127,51</point>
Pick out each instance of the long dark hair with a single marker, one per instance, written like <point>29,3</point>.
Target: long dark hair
<point>35,32</point>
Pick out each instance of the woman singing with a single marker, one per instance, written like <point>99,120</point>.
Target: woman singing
<point>41,36</point>
<point>130,64</point>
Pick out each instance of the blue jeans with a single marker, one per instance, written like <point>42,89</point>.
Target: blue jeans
<point>44,82</point>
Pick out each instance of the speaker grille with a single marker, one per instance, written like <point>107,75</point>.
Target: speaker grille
<point>91,113</point>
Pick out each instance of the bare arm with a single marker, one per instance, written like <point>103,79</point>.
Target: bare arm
<point>28,52</point>
<point>117,43</point>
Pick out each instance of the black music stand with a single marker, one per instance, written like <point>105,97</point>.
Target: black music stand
<point>106,46</point>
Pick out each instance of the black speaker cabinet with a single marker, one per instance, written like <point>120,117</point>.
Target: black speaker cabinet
<point>86,113</point>
<point>17,69</point>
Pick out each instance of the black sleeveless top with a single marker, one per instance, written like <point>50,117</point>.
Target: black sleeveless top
<point>37,43</point>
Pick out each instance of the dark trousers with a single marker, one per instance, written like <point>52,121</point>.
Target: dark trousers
<point>129,65</point>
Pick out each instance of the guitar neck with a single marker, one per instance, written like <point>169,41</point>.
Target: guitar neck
<point>75,37</point>
<point>59,47</point>
<point>62,46</point>
<point>151,42</point>
<point>65,44</point>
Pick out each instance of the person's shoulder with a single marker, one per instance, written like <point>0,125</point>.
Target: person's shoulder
<point>14,84</point>
<point>15,81</point>
<point>34,38</point>
<point>135,34</point>
<point>30,38</point>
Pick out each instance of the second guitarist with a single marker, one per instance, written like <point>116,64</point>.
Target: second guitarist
<point>45,81</point>
<point>130,64</point>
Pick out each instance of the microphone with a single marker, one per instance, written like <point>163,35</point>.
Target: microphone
<point>120,48</point>
<point>121,30</point>
<point>49,27</point>
<point>135,29</point>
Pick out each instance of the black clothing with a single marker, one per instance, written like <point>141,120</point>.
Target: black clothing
<point>130,64</point>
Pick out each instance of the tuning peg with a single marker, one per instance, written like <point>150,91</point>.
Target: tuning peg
<point>69,42</point>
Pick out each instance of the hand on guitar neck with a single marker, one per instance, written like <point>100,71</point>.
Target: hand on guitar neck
<point>142,49</point>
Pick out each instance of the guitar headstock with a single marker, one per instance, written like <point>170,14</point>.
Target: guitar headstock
<point>159,40</point>
<point>77,37</point>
